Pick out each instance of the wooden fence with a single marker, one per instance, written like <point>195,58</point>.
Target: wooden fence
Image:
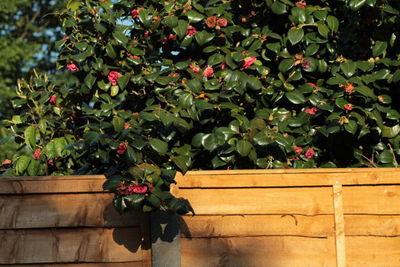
<point>319,217</point>
<point>50,220</point>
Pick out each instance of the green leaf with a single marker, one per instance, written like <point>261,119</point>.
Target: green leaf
<point>295,97</point>
<point>390,132</point>
<point>179,206</point>
<point>366,91</point>
<point>34,167</point>
<point>30,136</point>
<point>22,164</point>
<point>286,64</point>
<point>159,145</point>
<point>243,147</point>
<point>379,48</point>
<point>110,51</point>
<point>356,4</point>
<point>90,80</point>
<point>351,127</point>
<point>349,68</point>
<point>73,5</point>
<point>278,8</point>
<point>171,21</point>
<point>118,124</point>
<point>295,35</point>
<point>323,30</point>
<point>183,162</point>
<point>333,23</point>
<point>194,16</point>
<point>203,37</point>
<point>385,157</point>
<point>181,29</point>
<point>134,202</point>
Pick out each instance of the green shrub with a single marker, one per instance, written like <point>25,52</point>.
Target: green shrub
<point>165,86</point>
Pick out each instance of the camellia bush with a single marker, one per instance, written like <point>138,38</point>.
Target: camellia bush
<point>166,86</point>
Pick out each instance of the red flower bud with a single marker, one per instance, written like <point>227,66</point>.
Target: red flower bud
<point>310,153</point>
<point>208,72</point>
<point>72,67</point>
<point>37,153</point>
<point>113,77</point>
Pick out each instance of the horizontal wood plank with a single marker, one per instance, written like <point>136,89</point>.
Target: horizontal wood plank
<point>98,264</point>
<point>257,225</point>
<point>62,210</point>
<point>372,225</point>
<point>373,251</point>
<point>52,184</point>
<point>281,251</point>
<point>306,201</point>
<point>287,177</point>
<point>69,246</point>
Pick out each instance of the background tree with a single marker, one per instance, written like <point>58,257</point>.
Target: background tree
<point>28,30</point>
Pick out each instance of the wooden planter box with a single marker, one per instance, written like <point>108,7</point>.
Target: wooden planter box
<point>318,217</point>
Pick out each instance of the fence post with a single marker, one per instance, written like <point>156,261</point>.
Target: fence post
<point>165,239</point>
<point>339,225</point>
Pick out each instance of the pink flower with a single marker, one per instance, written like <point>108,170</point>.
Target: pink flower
<point>301,4</point>
<point>168,38</point>
<point>310,153</point>
<point>72,67</point>
<point>208,72</point>
<point>194,67</point>
<point>146,34</point>
<point>113,77</point>
<point>6,162</point>
<point>224,65</point>
<point>135,13</point>
<point>298,150</point>
<point>191,31</point>
<point>311,111</point>
<point>136,189</point>
<point>53,100</point>
<point>51,162</point>
<point>37,153</point>
<point>211,22</point>
<point>306,63</point>
<point>122,147</point>
<point>222,22</point>
<point>348,107</point>
<point>248,61</point>
<point>312,84</point>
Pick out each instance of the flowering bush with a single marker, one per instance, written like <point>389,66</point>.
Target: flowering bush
<point>165,86</point>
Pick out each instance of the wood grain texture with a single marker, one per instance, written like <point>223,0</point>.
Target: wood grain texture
<point>97,264</point>
<point>280,251</point>
<point>69,246</point>
<point>306,201</point>
<point>52,184</point>
<point>257,225</point>
<point>339,225</point>
<point>373,251</point>
<point>287,177</point>
<point>62,210</point>
<point>372,225</point>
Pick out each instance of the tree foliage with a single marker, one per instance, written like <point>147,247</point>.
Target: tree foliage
<point>165,86</point>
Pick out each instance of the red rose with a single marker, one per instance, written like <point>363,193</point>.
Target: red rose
<point>311,111</point>
<point>72,67</point>
<point>310,153</point>
<point>113,77</point>
<point>298,150</point>
<point>248,61</point>
<point>211,22</point>
<point>37,153</point>
<point>135,13</point>
<point>222,22</point>
<point>53,99</point>
<point>137,189</point>
<point>348,107</point>
<point>208,72</point>
<point>122,147</point>
<point>191,31</point>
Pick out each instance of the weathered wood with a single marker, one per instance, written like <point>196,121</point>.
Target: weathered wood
<point>373,251</point>
<point>287,177</point>
<point>257,225</point>
<point>306,201</point>
<point>372,225</point>
<point>339,226</point>
<point>274,251</point>
<point>62,210</point>
<point>52,184</point>
<point>68,246</point>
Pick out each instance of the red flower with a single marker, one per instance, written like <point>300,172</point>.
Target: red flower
<point>127,125</point>
<point>72,67</point>
<point>248,61</point>
<point>168,38</point>
<point>301,4</point>
<point>37,153</point>
<point>224,65</point>
<point>136,189</point>
<point>211,22</point>
<point>208,72</point>
<point>53,100</point>
<point>311,111</point>
<point>244,19</point>
<point>51,162</point>
<point>306,63</point>
<point>312,84</point>
<point>191,31</point>
<point>310,153</point>
<point>155,19</point>
<point>146,34</point>
<point>348,88</point>
<point>222,22</point>
<point>194,67</point>
<point>135,13</point>
<point>348,107</point>
<point>298,150</point>
<point>113,77</point>
<point>122,147</point>
<point>6,162</point>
